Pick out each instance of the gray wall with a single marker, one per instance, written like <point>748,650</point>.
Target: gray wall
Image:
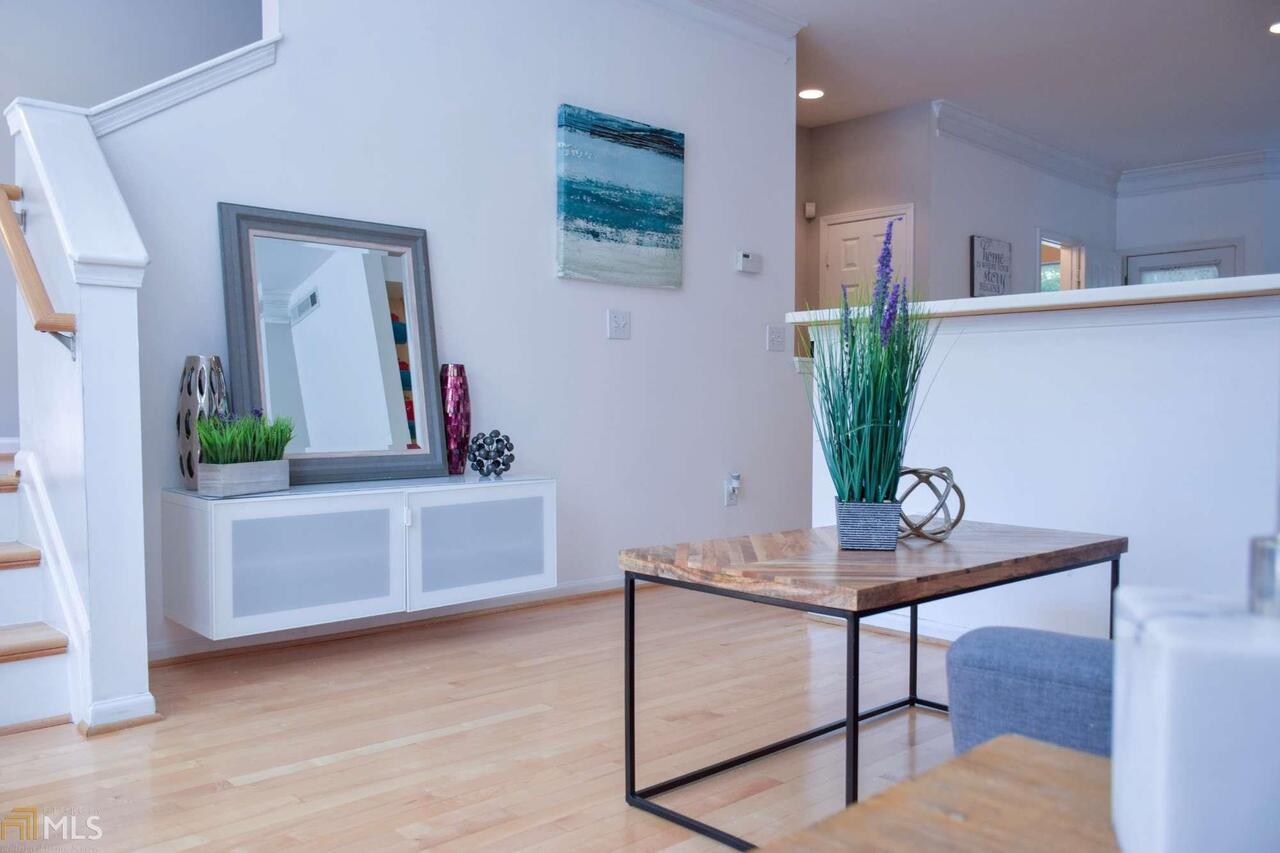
<point>84,52</point>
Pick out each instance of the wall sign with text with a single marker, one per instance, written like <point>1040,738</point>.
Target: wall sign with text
<point>991,266</point>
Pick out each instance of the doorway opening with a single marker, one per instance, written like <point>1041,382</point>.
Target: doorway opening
<point>1062,263</point>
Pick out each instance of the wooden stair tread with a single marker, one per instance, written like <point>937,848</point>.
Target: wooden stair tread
<point>16,555</point>
<point>9,482</point>
<point>30,640</point>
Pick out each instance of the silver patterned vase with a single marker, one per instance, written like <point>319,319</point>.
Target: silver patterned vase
<point>202,392</point>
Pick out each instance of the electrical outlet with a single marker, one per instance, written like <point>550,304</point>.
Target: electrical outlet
<point>732,489</point>
<point>775,338</point>
<point>617,325</point>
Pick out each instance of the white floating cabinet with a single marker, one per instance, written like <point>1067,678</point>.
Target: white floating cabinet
<point>331,552</point>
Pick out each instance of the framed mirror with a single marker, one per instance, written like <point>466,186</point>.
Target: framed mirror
<point>329,322</point>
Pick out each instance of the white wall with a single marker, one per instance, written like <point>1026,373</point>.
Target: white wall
<point>1155,422</point>
<point>806,230</point>
<point>347,407</point>
<point>640,434</point>
<point>977,191</point>
<point>1248,211</point>
<point>85,51</point>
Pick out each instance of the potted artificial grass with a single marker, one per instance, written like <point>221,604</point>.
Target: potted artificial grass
<point>863,399</point>
<point>242,455</point>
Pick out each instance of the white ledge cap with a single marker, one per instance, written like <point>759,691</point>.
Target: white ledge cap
<point>1071,300</point>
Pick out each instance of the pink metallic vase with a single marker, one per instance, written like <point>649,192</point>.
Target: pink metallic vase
<point>457,414</point>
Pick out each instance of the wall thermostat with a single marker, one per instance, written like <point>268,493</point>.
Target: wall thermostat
<point>810,209</point>
<point>748,262</point>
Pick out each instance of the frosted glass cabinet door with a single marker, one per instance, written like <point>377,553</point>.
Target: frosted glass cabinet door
<point>306,561</point>
<point>480,543</point>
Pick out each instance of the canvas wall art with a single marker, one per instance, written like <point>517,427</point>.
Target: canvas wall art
<point>620,200</point>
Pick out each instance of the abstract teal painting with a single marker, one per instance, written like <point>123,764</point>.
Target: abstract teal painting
<point>620,200</point>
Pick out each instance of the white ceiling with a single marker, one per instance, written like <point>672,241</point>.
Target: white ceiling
<point>1125,83</point>
<point>282,265</point>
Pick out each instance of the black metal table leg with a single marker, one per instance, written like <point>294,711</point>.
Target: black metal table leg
<point>851,712</point>
<point>915,639</point>
<point>1115,582</point>
<point>629,692</point>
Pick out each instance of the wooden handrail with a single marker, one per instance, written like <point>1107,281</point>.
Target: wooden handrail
<point>24,266</point>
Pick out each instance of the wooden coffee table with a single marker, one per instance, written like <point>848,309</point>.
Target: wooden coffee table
<point>1009,794</point>
<point>805,570</point>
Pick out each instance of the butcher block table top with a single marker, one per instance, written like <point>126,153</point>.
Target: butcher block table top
<point>806,566</point>
<point>1011,793</point>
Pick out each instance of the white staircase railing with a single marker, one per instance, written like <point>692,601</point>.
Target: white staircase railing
<point>79,421</point>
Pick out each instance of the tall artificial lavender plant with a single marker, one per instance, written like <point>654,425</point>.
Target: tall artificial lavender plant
<point>865,374</point>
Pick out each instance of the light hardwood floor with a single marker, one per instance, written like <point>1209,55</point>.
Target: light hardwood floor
<point>499,732</point>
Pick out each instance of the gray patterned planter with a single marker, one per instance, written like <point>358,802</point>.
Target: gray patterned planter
<point>243,478</point>
<point>867,526</point>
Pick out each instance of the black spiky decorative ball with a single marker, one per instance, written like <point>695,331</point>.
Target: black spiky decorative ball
<point>490,454</point>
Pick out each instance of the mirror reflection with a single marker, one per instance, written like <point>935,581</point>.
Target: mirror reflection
<point>336,329</point>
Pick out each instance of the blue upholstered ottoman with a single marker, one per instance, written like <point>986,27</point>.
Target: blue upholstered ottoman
<point>1048,686</point>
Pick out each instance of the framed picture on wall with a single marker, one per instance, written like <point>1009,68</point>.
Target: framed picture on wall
<point>990,266</point>
<point>620,200</point>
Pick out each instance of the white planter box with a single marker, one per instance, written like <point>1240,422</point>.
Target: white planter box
<point>244,478</point>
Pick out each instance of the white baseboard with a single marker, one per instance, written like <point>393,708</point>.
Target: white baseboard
<point>195,644</point>
<point>900,621</point>
<point>118,710</point>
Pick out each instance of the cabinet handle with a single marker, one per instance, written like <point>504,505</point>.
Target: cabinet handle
<point>408,517</point>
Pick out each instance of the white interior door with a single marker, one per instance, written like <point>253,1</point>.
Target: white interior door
<point>850,247</point>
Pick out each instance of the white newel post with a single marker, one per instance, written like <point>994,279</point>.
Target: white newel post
<point>81,418</point>
<point>108,347</point>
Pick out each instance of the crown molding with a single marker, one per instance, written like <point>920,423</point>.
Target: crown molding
<point>275,306</point>
<point>745,19</point>
<point>1210,172</point>
<point>172,90</point>
<point>957,122</point>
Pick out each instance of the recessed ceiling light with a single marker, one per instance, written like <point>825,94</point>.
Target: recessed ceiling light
<point>811,94</point>
<point>1275,28</point>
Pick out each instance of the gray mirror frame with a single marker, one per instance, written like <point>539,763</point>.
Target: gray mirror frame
<point>244,360</point>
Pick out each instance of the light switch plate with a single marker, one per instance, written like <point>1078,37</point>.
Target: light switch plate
<point>775,339</point>
<point>748,262</point>
<point>617,325</point>
<point>732,489</point>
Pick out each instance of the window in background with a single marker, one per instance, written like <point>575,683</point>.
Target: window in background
<point>1190,264</point>
<point>1192,273</point>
